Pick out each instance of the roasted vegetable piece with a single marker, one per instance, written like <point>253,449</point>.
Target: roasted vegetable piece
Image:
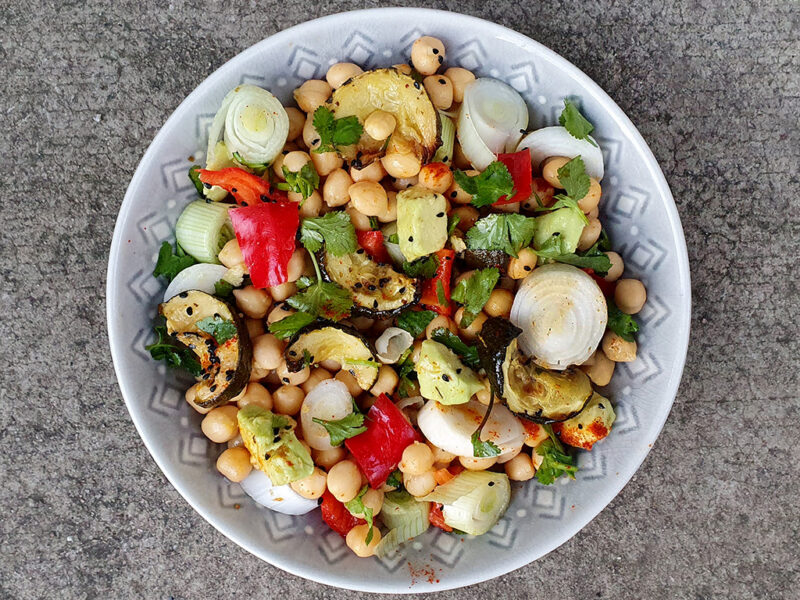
<point>494,339</point>
<point>391,91</point>
<point>322,341</point>
<point>379,292</point>
<point>226,366</point>
<point>486,259</point>
<point>590,426</point>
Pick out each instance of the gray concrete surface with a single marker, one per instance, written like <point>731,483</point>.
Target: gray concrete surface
<point>713,87</point>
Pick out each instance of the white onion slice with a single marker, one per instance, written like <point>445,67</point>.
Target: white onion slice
<point>280,498</point>
<point>498,113</point>
<point>472,145</point>
<point>330,401</point>
<point>562,313</point>
<point>255,125</point>
<point>201,276</point>
<point>451,427</point>
<point>391,344</point>
<point>557,141</point>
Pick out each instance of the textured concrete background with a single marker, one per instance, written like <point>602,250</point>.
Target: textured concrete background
<point>713,513</point>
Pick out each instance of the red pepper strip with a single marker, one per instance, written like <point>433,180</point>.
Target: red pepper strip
<point>247,189</point>
<point>266,233</point>
<point>607,287</point>
<point>378,450</point>
<point>430,295</point>
<point>519,165</point>
<point>372,242</point>
<point>436,517</point>
<point>336,515</point>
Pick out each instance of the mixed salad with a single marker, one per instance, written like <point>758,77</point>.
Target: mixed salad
<point>395,298</point>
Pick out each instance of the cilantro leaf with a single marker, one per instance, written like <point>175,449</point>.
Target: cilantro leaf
<point>393,239</point>
<point>474,293</point>
<point>357,508</point>
<point>222,288</point>
<point>395,479</point>
<point>468,354</point>
<point>288,326</point>
<point>195,178</point>
<point>574,179</point>
<point>481,449</point>
<point>575,123</point>
<point>406,373</point>
<point>562,201</point>
<point>415,321</point>
<point>334,229</point>
<point>335,132</point>
<point>488,187</point>
<point>343,429</point>
<point>325,299</point>
<point>171,352</point>
<point>621,323</point>
<point>554,249</point>
<point>424,267</point>
<point>169,264</point>
<point>555,462</point>
<point>302,182</point>
<point>220,329</point>
<point>507,232</point>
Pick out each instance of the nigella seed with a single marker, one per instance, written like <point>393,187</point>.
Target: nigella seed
<point>580,426</point>
<point>189,310</point>
<point>411,238</point>
<point>442,81</point>
<point>440,215</point>
<point>264,197</point>
<point>234,190</point>
<point>527,267</point>
<point>208,186</point>
<point>228,375</point>
<point>601,406</point>
<point>441,59</point>
<point>446,377</point>
<point>206,375</point>
<point>402,290</point>
<point>491,483</point>
<point>453,194</point>
<point>360,251</point>
<point>292,352</point>
<point>416,84</point>
<point>244,203</point>
<point>435,51</point>
<point>359,285</point>
<point>374,304</point>
<point>371,288</point>
<point>458,371</point>
<point>213,388</point>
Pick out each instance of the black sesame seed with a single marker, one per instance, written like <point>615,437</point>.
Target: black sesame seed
<point>522,131</point>
<point>234,190</point>
<point>213,388</point>
<point>441,59</point>
<point>360,251</point>
<point>416,84</point>
<point>445,377</point>
<point>453,194</point>
<point>292,352</point>
<point>527,267</point>
<point>208,186</point>
<point>402,290</point>
<point>315,141</point>
<point>371,288</point>
<point>264,197</point>
<point>206,375</point>
<point>228,375</point>
<point>285,380</point>
<point>189,310</point>
<point>359,285</point>
<point>184,294</point>
<point>601,406</point>
<point>435,51</point>
<point>491,483</point>
<point>445,159</point>
<point>442,81</point>
<point>458,371</point>
<point>374,304</point>
<point>580,426</point>
<point>244,203</point>
<point>411,238</point>
<point>440,215</point>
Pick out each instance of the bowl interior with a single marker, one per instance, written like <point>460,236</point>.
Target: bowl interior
<point>637,209</point>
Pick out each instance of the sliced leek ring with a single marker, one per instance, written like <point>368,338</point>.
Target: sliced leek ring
<point>562,313</point>
<point>557,141</point>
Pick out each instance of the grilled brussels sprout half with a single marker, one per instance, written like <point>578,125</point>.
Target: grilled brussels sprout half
<point>226,365</point>
<point>322,341</point>
<point>379,292</point>
<point>389,90</point>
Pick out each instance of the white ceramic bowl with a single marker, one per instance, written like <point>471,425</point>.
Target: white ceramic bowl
<point>637,209</point>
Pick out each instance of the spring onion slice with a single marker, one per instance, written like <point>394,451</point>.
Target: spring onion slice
<point>201,276</point>
<point>473,500</point>
<point>329,401</point>
<point>392,343</point>
<point>253,123</point>
<point>562,313</point>
<point>405,517</point>
<point>557,141</point>
<point>203,229</point>
<point>445,152</point>
<point>473,147</point>
<point>497,111</point>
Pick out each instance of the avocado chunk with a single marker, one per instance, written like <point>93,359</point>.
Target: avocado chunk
<point>273,445</point>
<point>421,222</point>
<point>590,425</point>
<point>564,222</point>
<point>443,377</point>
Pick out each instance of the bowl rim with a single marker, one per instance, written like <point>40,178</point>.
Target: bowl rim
<point>681,340</point>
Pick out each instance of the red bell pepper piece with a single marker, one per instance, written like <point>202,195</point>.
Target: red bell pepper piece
<point>372,242</point>
<point>436,517</point>
<point>379,449</point>
<point>430,293</point>
<point>519,165</point>
<point>247,189</point>
<point>607,287</point>
<point>266,233</point>
<point>336,515</point>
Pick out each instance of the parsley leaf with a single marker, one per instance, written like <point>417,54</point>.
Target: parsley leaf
<point>424,267</point>
<point>575,123</point>
<point>343,429</point>
<point>335,132</point>
<point>474,293</point>
<point>334,229</point>
<point>574,179</point>
<point>481,449</point>
<point>554,249</point>
<point>507,232</point>
<point>169,264</point>
<point>219,328</point>
<point>555,463</point>
<point>222,288</point>
<point>171,352</point>
<point>468,354</point>
<point>302,182</point>
<point>357,508</point>
<point>195,178</point>
<point>288,326</point>
<point>324,299</point>
<point>415,321</point>
<point>488,187</point>
<point>621,323</point>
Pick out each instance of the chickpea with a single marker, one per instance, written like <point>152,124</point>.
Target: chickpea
<point>352,385</point>
<point>467,215</point>
<point>403,183</point>
<point>310,134</point>
<point>520,267</point>
<point>255,327</point>
<point>258,373</point>
<point>484,396</point>
<point>520,468</point>
<point>289,378</point>
<point>317,375</point>
<point>288,399</point>
<point>330,365</point>
<point>359,220</point>
<point>534,434</point>
<point>436,177</point>
<point>312,94</point>
<point>456,194</point>
<point>499,303</point>
<point>356,540</point>
<point>441,456</point>
<point>190,396</point>
<point>460,79</point>
<point>427,54</point>
<point>296,160</point>
<point>297,264</point>
<point>278,312</point>
<point>460,161</point>
<point>630,295</point>
<point>311,206</point>
<point>334,190</point>
<point>550,170</point>
<point>470,332</point>
<point>283,291</point>
<point>508,208</point>
<point>326,162</point>
<point>344,480</point>
<point>391,208</point>
<point>386,382</point>
<point>617,266</point>
<point>341,72</point>
<point>501,460</point>
<point>220,424</point>
<point>601,370</point>
<point>401,164</point>
<point>372,499</point>
<point>477,464</point>
<point>267,351</point>
<point>419,485</point>
<point>590,234</point>
<point>380,124</point>
<point>231,254</point>
<point>296,122</point>
<point>234,464</point>
<point>440,321</point>
<point>592,198</point>
<point>417,459</point>
<point>237,441</point>
<point>594,213</point>
<point>277,165</point>
<point>440,90</point>
<point>617,349</point>
<point>369,198</point>
<point>328,458</point>
<point>313,486</point>
<point>541,193</point>
<point>255,393</point>
<point>372,172</point>
<point>252,302</point>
